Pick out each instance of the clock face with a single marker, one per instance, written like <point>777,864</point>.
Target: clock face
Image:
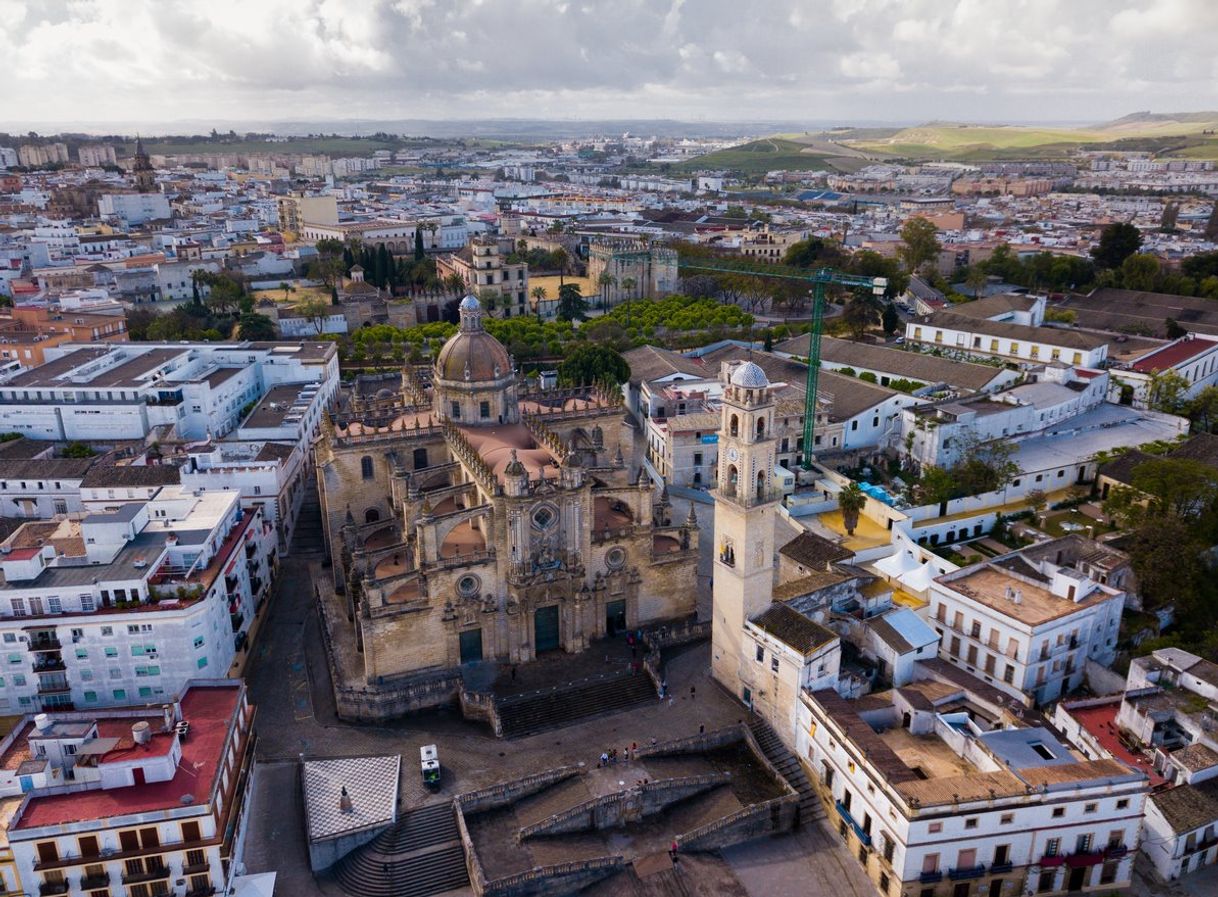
<point>732,454</point>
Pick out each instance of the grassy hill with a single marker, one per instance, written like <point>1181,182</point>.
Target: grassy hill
<point>1164,133</point>
<point>782,152</point>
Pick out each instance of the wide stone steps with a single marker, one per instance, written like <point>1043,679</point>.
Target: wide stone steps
<point>789,767</point>
<point>308,537</point>
<point>526,714</point>
<point>418,857</point>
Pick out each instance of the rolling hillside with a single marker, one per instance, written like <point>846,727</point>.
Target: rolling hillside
<point>779,152</point>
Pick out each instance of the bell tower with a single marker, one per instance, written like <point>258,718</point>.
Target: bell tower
<point>744,517</point>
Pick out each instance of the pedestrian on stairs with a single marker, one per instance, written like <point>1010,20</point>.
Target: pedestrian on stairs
<point>692,692</point>
<point>604,760</point>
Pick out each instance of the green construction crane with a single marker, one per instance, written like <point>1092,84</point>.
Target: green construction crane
<point>818,279</point>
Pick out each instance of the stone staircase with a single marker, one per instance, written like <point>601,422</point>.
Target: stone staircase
<point>810,807</point>
<point>420,856</point>
<point>308,538</point>
<point>536,712</point>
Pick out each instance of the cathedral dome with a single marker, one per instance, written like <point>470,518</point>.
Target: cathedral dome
<point>750,376</point>
<point>472,354</point>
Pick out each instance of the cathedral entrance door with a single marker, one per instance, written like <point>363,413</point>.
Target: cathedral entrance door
<point>471,646</point>
<point>615,617</point>
<point>545,628</point>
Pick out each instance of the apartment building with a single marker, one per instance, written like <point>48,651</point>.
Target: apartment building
<point>140,801</point>
<point>134,208</point>
<point>107,393</point>
<point>1025,623</point>
<point>940,790</point>
<point>129,604</point>
<point>28,331</point>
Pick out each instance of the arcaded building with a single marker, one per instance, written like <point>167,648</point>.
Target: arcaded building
<point>471,517</point>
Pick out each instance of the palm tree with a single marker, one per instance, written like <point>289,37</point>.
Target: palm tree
<point>628,285</point>
<point>606,282</point>
<point>850,501</point>
<point>539,295</point>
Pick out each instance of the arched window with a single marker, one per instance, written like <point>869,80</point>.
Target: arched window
<point>732,476</point>
<point>734,426</point>
<point>761,484</point>
<point>372,515</point>
<point>760,427</point>
<point>365,466</point>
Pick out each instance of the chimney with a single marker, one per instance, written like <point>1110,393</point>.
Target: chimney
<point>169,715</point>
<point>141,732</point>
<point>344,802</point>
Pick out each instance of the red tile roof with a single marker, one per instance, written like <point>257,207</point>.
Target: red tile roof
<point>1170,356</point>
<point>209,710</point>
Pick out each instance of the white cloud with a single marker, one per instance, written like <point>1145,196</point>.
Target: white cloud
<point>160,60</point>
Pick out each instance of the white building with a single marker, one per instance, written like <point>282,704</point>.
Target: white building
<point>940,791</point>
<point>1193,357</point>
<point>130,390</point>
<point>96,155</point>
<point>1024,624</point>
<point>134,799</point>
<point>130,605</point>
<point>133,208</point>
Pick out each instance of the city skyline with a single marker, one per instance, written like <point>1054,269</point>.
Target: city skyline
<point>850,60</point>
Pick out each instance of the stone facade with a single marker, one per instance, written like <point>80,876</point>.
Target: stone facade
<point>471,520</point>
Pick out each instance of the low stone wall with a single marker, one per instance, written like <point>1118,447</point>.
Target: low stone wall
<point>509,792</point>
<point>772,817</point>
<point>623,807</point>
<point>473,866</point>
<point>481,707</point>
<point>555,881</point>
<point>696,744</point>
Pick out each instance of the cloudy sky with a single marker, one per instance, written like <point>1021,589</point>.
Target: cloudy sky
<point>897,60</point>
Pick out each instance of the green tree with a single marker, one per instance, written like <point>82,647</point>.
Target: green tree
<point>1140,271</point>
<point>890,320</point>
<point>78,450</point>
<point>1203,410</point>
<point>1165,391</point>
<point>315,311</point>
<point>571,305</point>
<point>976,280</point>
<point>813,252</point>
<point>1118,241</point>
<point>984,465</point>
<point>1172,328</point>
<point>419,254</point>
<point>935,486</point>
<point>860,313</point>
<point>606,282</point>
<point>1175,487</point>
<point>256,327</point>
<point>593,363</point>
<point>850,501</point>
<point>1167,221</point>
<point>919,243</point>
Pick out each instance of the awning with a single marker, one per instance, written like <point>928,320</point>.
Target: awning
<point>895,565</point>
<point>919,579</point>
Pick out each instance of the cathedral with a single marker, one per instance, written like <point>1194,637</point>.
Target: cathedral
<point>472,516</point>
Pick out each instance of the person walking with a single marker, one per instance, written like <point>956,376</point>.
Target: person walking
<point>692,692</point>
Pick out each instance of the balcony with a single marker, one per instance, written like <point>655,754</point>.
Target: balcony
<point>1000,868</point>
<point>95,882</point>
<point>1115,851</point>
<point>49,665</point>
<point>930,878</point>
<point>863,836</point>
<point>150,875</point>
<point>1050,860</point>
<point>55,685</point>
<point>47,888</point>
<point>44,643</point>
<point>966,873</point>
<point>1196,848</point>
<point>205,891</point>
<point>197,869</point>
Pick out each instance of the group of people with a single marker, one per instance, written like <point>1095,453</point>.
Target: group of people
<point>610,757</point>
